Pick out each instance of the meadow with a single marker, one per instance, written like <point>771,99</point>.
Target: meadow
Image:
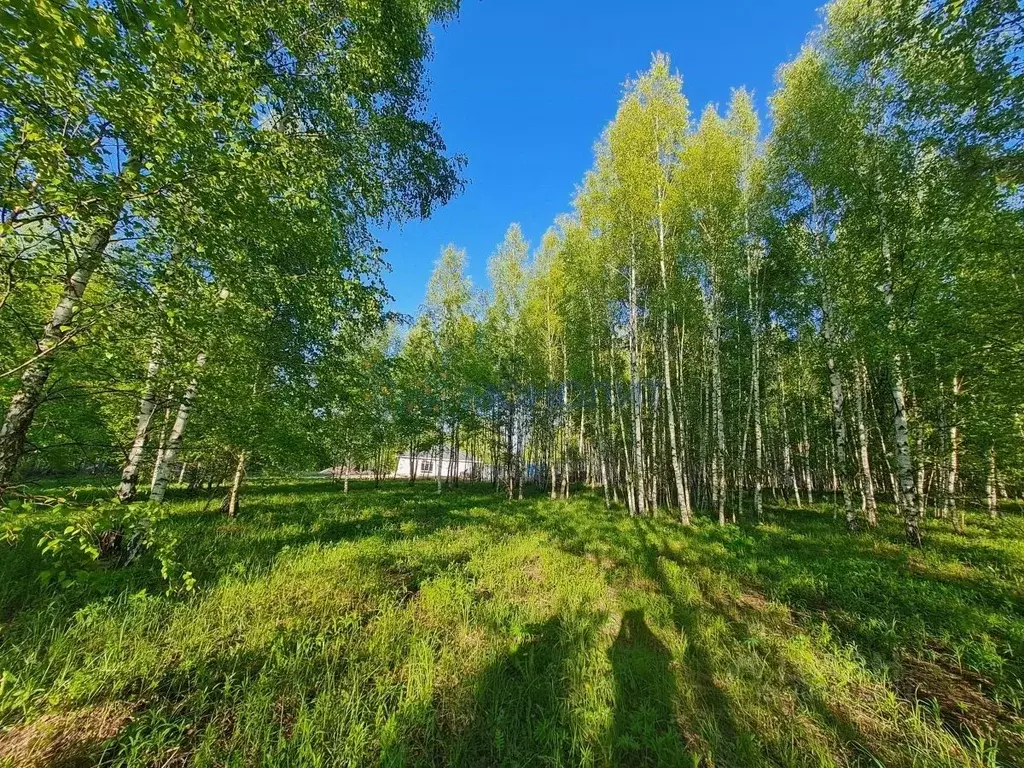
<point>399,627</point>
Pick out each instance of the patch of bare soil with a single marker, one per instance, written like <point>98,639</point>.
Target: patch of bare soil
<point>533,569</point>
<point>966,709</point>
<point>63,740</point>
<point>602,562</point>
<point>959,693</point>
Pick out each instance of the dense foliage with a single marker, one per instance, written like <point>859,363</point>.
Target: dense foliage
<point>191,288</point>
<point>832,309</point>
<point>186,200</point>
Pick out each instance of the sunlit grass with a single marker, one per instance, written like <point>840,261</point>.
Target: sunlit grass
<point>398,627</point>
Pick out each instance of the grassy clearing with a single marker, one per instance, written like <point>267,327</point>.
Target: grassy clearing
<point>396,627</point>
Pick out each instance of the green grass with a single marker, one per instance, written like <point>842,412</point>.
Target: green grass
<point>396,627</point>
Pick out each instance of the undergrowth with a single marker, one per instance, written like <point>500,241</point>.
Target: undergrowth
<point>398,627</point>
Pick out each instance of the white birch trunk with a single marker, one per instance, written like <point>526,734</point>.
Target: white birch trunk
<point>56,332</point>
<point>755,381</point>
<point>718,418</point>
<point>236,485</point>
<point>787,455</point>
<point>904,464</point>
<point>568,424</point>
<point>952,476</point>
<point>805,451</point>
<point>630,490</point>
<point>867,482</point>
<point>147,405</point>
<point>158,460</point>
<point>992,484</point>
<point>440,456</point>
<point>520,450</point>
<point>670,410</point>
<point>177,434</point>
<point>601,440</point>
<point>683,455</point>
<point>640,506</point>
<point>840,469</point>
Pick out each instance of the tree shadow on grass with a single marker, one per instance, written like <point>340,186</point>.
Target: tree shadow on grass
<point>713,727</point>
<point>715,628</point>
<point>268,526</point>
<point>864,592</point>
<point>275,515</point>
<point>521,705</point>
<point>644,731</point>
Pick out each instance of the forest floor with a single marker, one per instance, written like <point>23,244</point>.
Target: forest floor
<point>399,627</point>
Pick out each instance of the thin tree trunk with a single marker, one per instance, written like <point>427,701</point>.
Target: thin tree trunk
<point>673,440</point>
<point>553,441</point>
<point>755,386</point>
<point>787,455</point>
<point>922,477</point>
<point>893,482</point>
<point>639,482</point>
<point>904,465</point>
<point>741,469</point>
<point>56,333</point>
<point>992,484</point>
<point>718,417</point>
<point>568,424</point>
<point>630,489</point>
<point>839,422</point>
<point>440,454</point>
<point>236,485</point>
<point>867,483</point>
<point>161,445</point>
<point>599,434</point>
<point>954,453</point>
<point>177,434</point>
<point>679,416</point>
<point>805,451</point>
<point>520,450</point>
<point>147,405</point>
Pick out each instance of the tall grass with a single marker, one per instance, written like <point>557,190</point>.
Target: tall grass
<point>398,627</point>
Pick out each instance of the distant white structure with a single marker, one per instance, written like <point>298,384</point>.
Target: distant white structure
<point>427,464</point>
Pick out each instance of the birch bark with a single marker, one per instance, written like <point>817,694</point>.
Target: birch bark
<point>236,485</point>
<point>676,463</point>
<point>718,419</point>
<point>787,454</point>
<point>954,452</point>
<point>840,468</point>
<point>635,394</point>
<point>904,464</point>
<point>177,434</point>
<point>867,482</point>
<point>147,406</point>
<point>56,333</point>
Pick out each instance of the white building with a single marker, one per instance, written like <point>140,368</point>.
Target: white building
<point>427,464</point>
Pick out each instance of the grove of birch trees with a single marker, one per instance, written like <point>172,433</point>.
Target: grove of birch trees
<point>186,197</point>
<point>829,311</point>
<point>819,304</point>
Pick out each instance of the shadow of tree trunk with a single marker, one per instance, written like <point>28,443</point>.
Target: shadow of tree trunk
<point>522,713</point>
<point>644,730</point>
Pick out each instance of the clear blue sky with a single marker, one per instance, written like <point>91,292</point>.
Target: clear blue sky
<point>523,88</point>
